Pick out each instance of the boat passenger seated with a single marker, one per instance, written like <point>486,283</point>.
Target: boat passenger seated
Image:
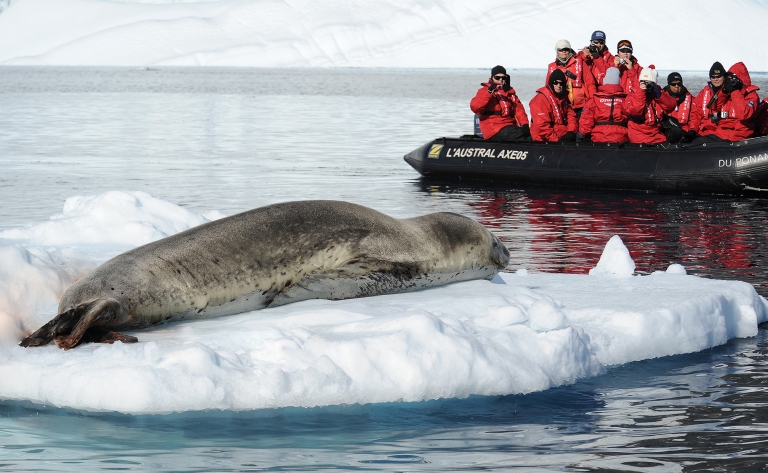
<point>580,84</point>
<point>646,106</point>
<point>725,107</point>
<point>626,62</point>
<point>676,125</point>
<point>597,57</point>
<point>604,119</point>
<point>552,116</point>
<point>502,115</point>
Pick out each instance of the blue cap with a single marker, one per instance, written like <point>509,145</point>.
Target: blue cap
<point>598,35</point>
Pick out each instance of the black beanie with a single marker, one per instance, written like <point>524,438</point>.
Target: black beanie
<point>498,70</point>
<point>556,75</point>
<point>717,69</point>
<point>675,76</point>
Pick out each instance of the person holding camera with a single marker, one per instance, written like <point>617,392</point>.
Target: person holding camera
<point>629,68</point>
<point>724,109</point>
<point>502,115</point>
<point>597,57</point>
<point>580,83</point>
<point>646,106</point>
<point>605,116</point>
<point>676,126</point>
<point>552,117</point>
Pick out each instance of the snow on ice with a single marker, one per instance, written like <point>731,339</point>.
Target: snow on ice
<point>519,333</point>
<point>687,35</point>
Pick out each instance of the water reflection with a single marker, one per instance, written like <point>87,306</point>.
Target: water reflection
<point>552,230</point>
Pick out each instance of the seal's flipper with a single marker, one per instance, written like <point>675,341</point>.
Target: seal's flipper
<point>102,335</point>
<point>100,312</point>
<point>351,281</point>
<point>62,323</point>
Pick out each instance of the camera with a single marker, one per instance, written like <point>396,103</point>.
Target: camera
<point>622,61</point>
<point>593,50</point>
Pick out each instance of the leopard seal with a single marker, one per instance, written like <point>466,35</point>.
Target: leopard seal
<point>268,257</point>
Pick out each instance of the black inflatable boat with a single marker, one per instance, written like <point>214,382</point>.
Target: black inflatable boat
<point>716,168</point>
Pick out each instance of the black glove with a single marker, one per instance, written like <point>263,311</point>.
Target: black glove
<point>568,136</point>
<point>526,130</point>
<point>653,90</point>
<point>691,135</point>
<point>492,88</point>
<point>571,75</point>
<point>732,82</point>
<point>506,86</point>
<point>579,137</point>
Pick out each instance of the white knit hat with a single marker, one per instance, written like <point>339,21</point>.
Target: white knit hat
<point>611,76</point>
<point>649,74</point>
<point>562,44</point>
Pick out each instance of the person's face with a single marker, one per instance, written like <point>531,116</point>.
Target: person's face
<point>563,53</point>
<point>675,87</point>
<point>557,86</point>
<point>498,79</point>
<point>599,43</point>
<point>625,54</point>
<point>717,81</point>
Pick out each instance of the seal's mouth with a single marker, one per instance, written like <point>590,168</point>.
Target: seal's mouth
<point>499,253</point>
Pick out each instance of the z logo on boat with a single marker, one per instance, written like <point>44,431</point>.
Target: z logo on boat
<point>434,152</point>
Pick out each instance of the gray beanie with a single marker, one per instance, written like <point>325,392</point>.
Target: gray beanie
<point>611,76</point>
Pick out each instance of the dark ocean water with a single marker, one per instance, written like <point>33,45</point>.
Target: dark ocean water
<point>234,139</point>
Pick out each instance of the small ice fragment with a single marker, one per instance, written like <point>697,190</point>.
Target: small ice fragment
<point>675,268</point>
<point>615,260</point>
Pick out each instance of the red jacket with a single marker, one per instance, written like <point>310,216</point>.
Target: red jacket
<point>630,78</point>
<point>551,117</point>
<point>645,116</point>
<point>728,116</point>
<point>497,110</point>
<point>605,115</point>
<point>682,111</point>
<point>599,65</point>
<point>581,87</point>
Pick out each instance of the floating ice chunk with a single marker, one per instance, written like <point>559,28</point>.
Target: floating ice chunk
<point>615,260</point>
<point>675,268</point>
<point>522,272</point>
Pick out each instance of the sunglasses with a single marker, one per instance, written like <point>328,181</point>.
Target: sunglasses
<point>646,82</point>
<point>597,41</point>
<point>563,50</point>
<point>499,77</point>
<point>624,50</point>
<point>558,82</point>
<point>716,76</point>
<point>676,84</point>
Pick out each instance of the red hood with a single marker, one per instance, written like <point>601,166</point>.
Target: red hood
<point>741,72</point>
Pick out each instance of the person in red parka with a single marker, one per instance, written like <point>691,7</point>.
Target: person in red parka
<point>581,84</point>
<point>646,106</point>
<point>725,107</point>
<point>502,115</point>
<point>677,124</point>
<point>552,116</point>
<point>597,57</point>
<point>605,116</point>
<point>629,68</point>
